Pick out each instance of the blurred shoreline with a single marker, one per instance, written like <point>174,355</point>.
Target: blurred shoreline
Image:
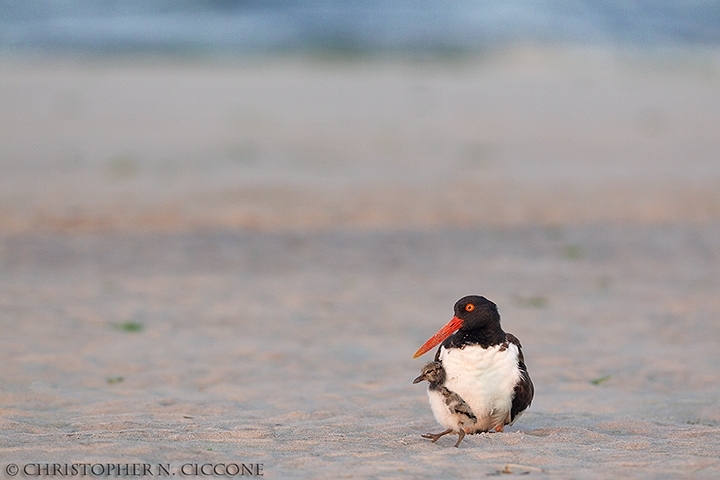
<point>517,136</point>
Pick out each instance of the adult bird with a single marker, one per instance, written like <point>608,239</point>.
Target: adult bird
<point>483,365</point>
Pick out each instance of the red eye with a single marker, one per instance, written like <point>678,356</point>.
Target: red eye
<point>469,307</point>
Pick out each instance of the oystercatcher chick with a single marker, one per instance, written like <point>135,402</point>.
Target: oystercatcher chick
<point>449,409</point>
<point>483,365</point>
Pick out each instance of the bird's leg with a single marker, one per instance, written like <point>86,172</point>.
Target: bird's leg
<point>436,436</point>
<point>461,435</point>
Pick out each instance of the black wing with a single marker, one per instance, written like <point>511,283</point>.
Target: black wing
<point>524,390</point>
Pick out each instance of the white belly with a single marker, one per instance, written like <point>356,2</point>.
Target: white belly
<point>485,379</point>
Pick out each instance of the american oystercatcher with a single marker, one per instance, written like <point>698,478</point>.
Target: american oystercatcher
<point>449,408</point>
<point>483,366</point>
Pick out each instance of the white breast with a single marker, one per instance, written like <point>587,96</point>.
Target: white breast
<point>485,378</point>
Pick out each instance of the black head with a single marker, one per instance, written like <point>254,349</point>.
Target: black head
<point>476,312</point>
<point>476,321</point>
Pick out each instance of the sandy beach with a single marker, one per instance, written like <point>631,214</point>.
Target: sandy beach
<point>233,261</point>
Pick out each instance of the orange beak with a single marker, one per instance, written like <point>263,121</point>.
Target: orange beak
<point>452,327</point>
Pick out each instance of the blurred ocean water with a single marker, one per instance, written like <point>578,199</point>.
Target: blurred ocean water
<point>224,26</point>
